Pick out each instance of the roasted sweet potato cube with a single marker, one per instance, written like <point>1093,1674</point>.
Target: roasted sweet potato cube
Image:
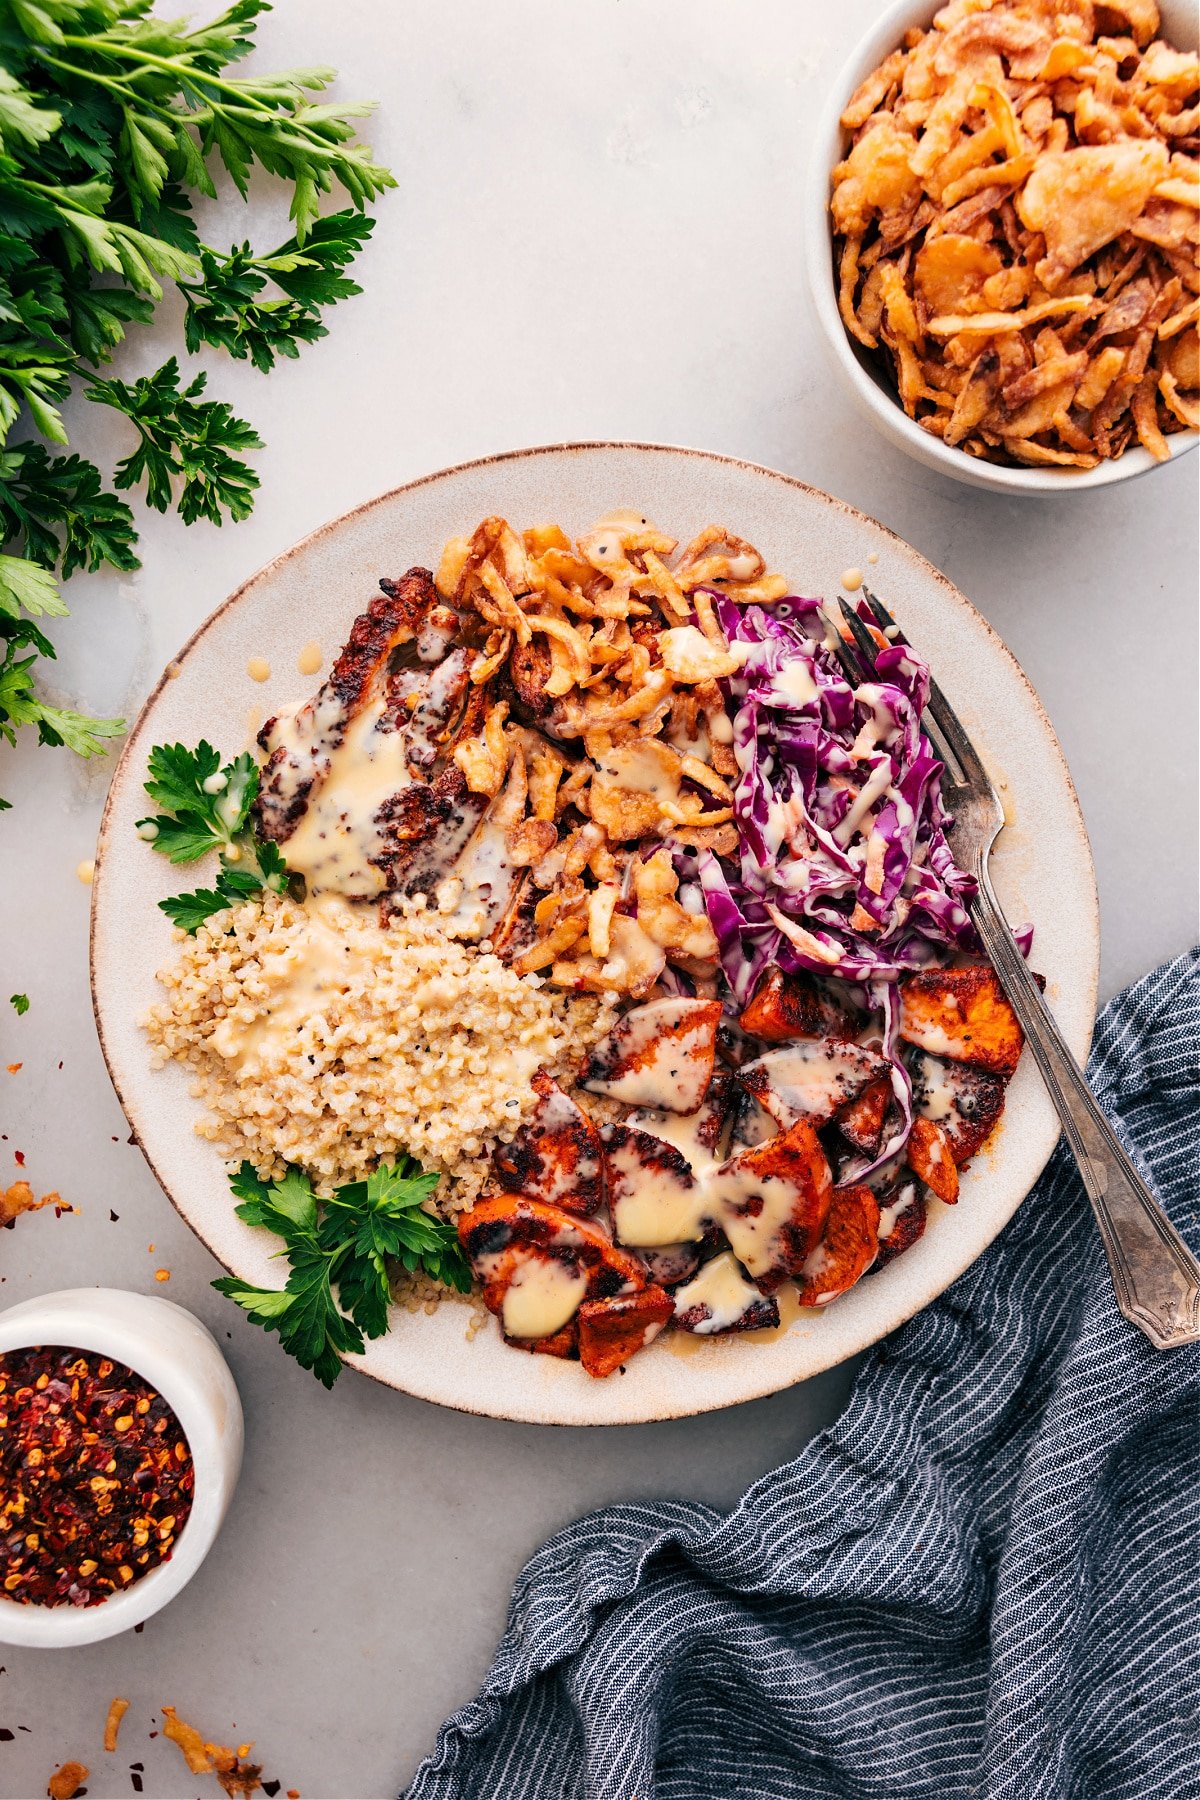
<point>537,1263</point>
<point>861,1122</point>
<point>669,1264</point>
<point>720,1299</point>
<point>931,1156</point>
<point>556,1155</point>
<point>965,1102</point>
<point>811,1078</point>
<point>772,1200</point>
<point>611,1331</point>
<point>660,1054</point>
<point>901,1218</point>
<point>564,1343</point>
<point>653,1192</point>
<point>783,1007</point>
<point>962,1014</point>
<point>849,1245</point>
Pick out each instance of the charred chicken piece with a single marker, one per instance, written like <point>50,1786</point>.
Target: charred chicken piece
<point>962,1014</point>
<point>611,1331</point>
<point>773,1200</point>
<point>556,1155</point>
<point>849,1245</point>
<point>660,1055</point>
<point>720,1299</point>
<point>298,760</point>
<point>965,1102</point>
<point>811,1078</point>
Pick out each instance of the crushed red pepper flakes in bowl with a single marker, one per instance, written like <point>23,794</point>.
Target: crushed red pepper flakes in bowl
<point>96,1476</point>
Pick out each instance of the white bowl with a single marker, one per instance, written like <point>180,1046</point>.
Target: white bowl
<point>179,1357</point>
<point>867,383</point>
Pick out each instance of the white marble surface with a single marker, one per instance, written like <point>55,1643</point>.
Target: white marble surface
<point>593,236</point>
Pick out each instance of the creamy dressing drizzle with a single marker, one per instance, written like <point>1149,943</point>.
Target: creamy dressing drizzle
<point>301,981</point>
<point>723,1289</point>
<point>794,681</point>
<point>338,833</point>
<point>654,1205</point>
<point>541,1297</point>
<point>752,1235</point>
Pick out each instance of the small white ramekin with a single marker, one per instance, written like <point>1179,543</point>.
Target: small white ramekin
<point>867,383</point>
<point>179,1357</point>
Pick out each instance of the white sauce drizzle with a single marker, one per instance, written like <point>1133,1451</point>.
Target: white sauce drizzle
<point>722,1287</point>
<point>337,834</point>
<point>542,1296</point>
<point>794,681</point>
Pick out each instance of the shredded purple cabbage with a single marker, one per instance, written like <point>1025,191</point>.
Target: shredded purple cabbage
<point>844,869</point>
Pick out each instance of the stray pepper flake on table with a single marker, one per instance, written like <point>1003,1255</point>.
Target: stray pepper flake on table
<point>96,1476</point>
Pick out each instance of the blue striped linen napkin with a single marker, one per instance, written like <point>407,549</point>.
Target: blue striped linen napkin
<point>981,1581</point>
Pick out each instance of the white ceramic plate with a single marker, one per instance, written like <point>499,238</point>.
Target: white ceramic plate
<point>1043,872</point>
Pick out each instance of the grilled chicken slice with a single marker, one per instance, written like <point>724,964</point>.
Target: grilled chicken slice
<point>929,1155</point>
<point>811,1078</point>
<point>861,1122</point>
<point>660,1055</point>
<point>611,1331</point>
<point>720,1299</point>
<point>538,1264</point>
<point>965,1102</point>
<point>901,1218</point>
<point>792,1006</point>
<point>849,1245</point>
<point>299,748</point>
<point>772,1201</point>
<point>962,1014</point>
<point>556,1156</point>
<point>653,1193</point>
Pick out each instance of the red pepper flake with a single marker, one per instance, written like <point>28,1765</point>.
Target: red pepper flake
<point>20,1156</point>
<point>15,1068</point>
<point>96,1477</point>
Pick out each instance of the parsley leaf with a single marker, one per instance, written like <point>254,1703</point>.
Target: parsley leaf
<point>185,441</point>
<point>206,807</point>
<point>112,121</point>
<point>19,1003</point>
<point>231,308</point>
<point>338,1289</point>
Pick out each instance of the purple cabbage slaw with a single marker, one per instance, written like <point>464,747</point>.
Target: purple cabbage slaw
<point>843,867</point>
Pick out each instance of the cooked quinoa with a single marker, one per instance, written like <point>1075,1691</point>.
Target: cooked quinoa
<point>323,1039</point>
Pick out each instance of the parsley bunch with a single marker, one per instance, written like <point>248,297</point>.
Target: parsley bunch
<point>338,1288</point>
<point>206,807</point>
<point>111,120</point>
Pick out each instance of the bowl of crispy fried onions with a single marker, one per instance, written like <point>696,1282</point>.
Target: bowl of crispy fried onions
<point>1004,219</point>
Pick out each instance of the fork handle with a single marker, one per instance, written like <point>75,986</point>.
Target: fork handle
<point>1156,1277</point>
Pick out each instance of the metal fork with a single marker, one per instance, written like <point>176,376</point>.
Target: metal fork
<point>1156,1277</point>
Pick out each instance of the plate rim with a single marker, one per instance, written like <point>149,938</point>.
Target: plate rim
<point>576,446</point>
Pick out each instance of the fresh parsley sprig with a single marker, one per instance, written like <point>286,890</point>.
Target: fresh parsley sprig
<point>205,806</point>
<point>339,1253</point>
<point>111,120</point>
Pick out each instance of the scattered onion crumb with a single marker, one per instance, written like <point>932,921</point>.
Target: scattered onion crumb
<point>66,1781</point>
<point>112,1725</point>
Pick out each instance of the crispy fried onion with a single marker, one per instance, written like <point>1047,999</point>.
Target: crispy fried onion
<point>600,740</point>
